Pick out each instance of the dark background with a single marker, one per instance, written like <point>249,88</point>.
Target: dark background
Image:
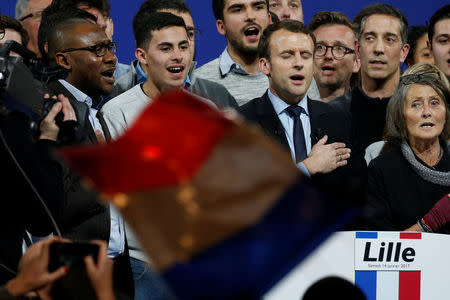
<point>212,44</point>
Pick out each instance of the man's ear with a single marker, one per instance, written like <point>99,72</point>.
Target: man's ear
<point>404,54</point>
<point>357,48</point>
<point>429,45</point>
<point>141,56</point>
<point>63,61</point>
<point>356,64</point>
<point>221,27</point>
<point>264,66</point>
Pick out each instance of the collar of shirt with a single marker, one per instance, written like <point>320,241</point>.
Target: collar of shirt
<point>280,106</point>
<point>227,64</point>
<point>79,95</point>
<point>288,124</point>
<point>187,83</point>
<point>359,90</point>
<point>141,77</point>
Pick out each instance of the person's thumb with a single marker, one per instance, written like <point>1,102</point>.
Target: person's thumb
<point>323,140</point>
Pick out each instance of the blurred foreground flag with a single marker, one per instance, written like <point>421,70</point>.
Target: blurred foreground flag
<point>220,209</point>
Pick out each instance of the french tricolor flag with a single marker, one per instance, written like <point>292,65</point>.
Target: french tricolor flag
<point>220,208</point>
<point>389,285</point>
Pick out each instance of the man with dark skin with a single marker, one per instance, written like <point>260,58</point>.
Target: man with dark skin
<point>82,48</point>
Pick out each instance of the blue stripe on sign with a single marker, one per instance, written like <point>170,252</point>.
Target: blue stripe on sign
<point>367,282</point>
<point>366,235</point>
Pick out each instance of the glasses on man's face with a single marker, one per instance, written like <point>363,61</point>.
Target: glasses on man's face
<point>337,51</point>
<point>414,78</point>
<point>194,34</point>
<point>99,49</point>
<point>33,15</point>
<point>2,33</point>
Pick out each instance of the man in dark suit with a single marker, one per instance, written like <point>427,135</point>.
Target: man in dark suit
<point>317,135</point>
<point>82,48</point>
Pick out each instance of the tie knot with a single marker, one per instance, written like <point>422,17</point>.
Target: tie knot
<point>294,110</point>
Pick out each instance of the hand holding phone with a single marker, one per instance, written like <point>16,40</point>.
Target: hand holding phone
<point>76,284</point>
<point>101,273</point>
<point>33,269</point>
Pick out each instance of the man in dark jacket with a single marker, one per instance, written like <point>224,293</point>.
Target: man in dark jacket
<point>382,46</point>
<point>82,48</point>
<point>317,135</point>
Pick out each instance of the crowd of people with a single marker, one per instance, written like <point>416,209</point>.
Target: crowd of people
<point>331,93</point>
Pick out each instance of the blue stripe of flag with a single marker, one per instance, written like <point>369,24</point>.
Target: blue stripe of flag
<point>366,235</point>
<point>367,282</point>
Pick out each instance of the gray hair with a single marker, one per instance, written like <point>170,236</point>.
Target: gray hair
<point>396,130</point>
<point>426,68</point>
<point>21,8</point>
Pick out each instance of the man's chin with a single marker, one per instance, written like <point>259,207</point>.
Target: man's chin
<point>107,90</point>
<point>329,83</point>
<point>248,49</point>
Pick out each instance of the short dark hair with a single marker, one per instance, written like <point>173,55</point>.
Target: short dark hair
<point>441,14</point>
<point>219,5</point>
<point>415,33</point>
<point>382,9</point>
<point>332,18</point>
<point>8,22</point>
<point>102,5</point>
<point>145,23</point>
<point>52,17</point>
<point>289,25</point>
<point>154,6</point>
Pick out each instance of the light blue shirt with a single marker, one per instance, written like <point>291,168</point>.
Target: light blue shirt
<point>288,124</point>
<point>121,69</point>
<point>116,243</point>
<point>227,64</point>
<point>141,76</point>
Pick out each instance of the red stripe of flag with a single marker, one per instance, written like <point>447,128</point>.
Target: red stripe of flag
<point>409,285</point>
<point>411,235</point>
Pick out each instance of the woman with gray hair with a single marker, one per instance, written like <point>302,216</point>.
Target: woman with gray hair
<point>375,149</point>
<point>406,183</point>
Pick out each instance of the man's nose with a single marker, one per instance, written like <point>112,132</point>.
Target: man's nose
<point>285,13</point>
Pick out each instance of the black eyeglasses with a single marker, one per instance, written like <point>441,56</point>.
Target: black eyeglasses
<point>99,49</point>
<point>414,78</point>
<point>34,14</point>
<point>337,51</point>
<point>194,34</point>
<point>2,33</point>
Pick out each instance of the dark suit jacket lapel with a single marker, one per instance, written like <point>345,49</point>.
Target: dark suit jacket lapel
<point>81,109</point>
<point>269,121</point>
<point>104,127</point>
